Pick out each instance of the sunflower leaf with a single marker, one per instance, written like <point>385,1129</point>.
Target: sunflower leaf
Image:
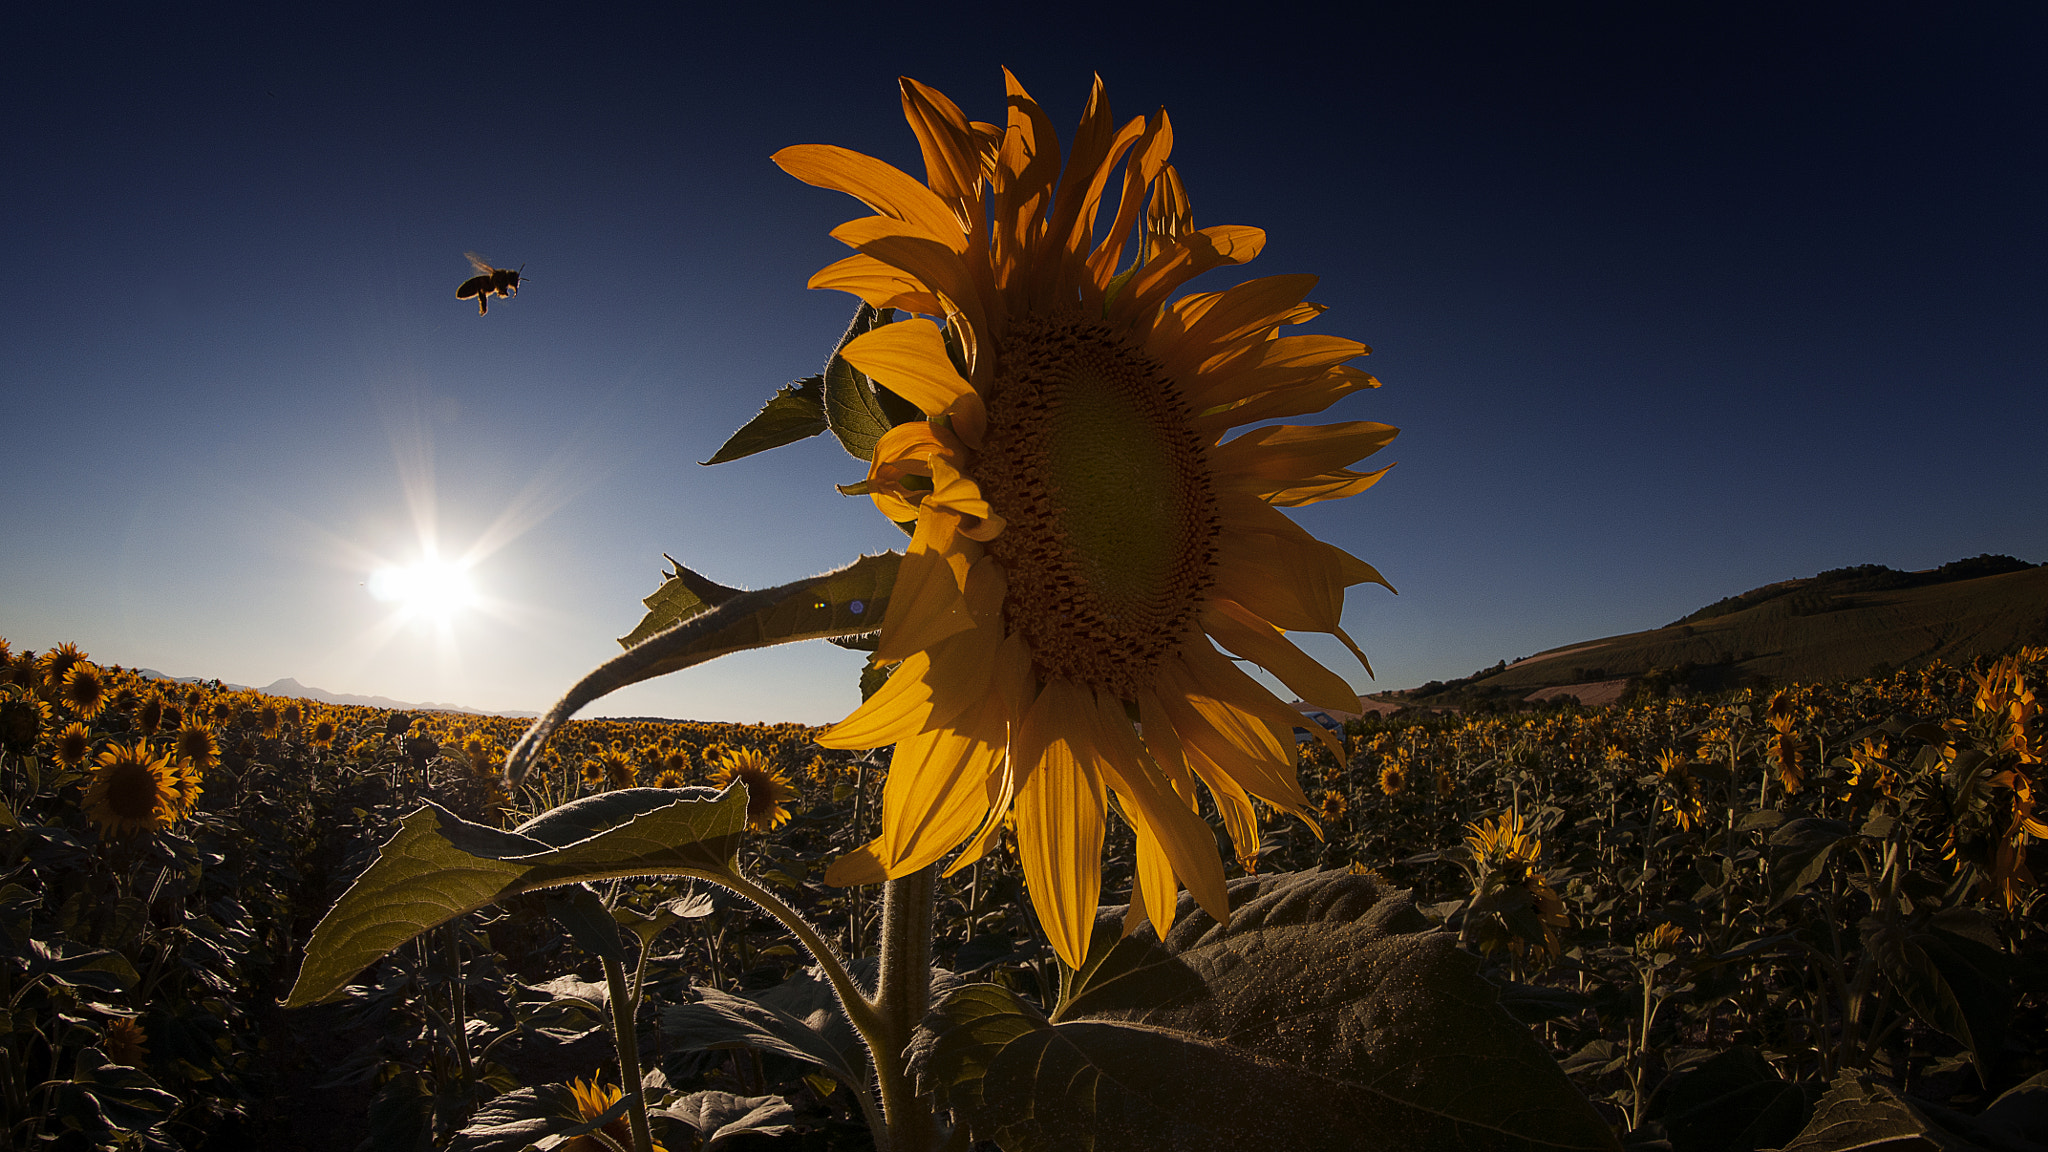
<point>857,409</point>
<point>844,602</point>
<point>796,412</point>
<point>439,866</point>
<point>682,594</point>
<point>1328,1015</point>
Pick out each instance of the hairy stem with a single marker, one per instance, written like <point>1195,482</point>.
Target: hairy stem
<point>626,1034</point>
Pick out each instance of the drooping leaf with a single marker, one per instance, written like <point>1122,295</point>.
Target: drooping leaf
<point>399,1119</point>
<point>1329,1015</point>
<point>2020,1115</point>
<point>796,412</point>
<point>76,966</point>
<point>521,1117</point>
<point>1735,1102</point>
<point>721,1020</point>
<point>439,866</point>
<point>1953,983</point>
<point>1802,848</point>
<point>721,1117</point>
<point>126,1097</point>
<point>858,409</point>
<point>583,916</point>
<point>1860,1115</point>
<point>844,602</point>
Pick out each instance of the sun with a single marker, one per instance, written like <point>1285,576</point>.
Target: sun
<point>430,589</point>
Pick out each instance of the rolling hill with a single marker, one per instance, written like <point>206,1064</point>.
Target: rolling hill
<point>1851,622</point>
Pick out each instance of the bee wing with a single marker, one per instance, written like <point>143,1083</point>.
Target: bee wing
<point>477,262</point>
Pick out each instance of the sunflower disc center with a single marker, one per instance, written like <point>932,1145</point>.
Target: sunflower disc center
<point>1111,515</point>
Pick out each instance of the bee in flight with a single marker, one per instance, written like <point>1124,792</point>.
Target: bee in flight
<point>487,282</point>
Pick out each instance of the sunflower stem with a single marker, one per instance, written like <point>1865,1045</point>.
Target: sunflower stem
<point>902,994</point>
<point>626,1034</point>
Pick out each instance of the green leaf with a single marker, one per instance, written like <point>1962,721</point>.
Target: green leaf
<point>1953,983</point>
<point>525,1116</point>
<point>126,1097</point>
<point>1802,854</point>
<point>859,410</point>
<point>796,412</point>
<point>75,967</point>
<point>721,1117</point>
<point>1735,1102</point>
<point>721,1020</point>
<point>1864,1116</point>
<point>2020,1114</point>
<point>682,594</point>
<point>439,866</point>
<point>844,602</point>
<point>582,915</point>
<point>1329,1015</point>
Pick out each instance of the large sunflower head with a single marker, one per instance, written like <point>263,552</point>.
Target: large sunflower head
<point>1085,530</point>
<point>767,787</point>
<point>60,660</point>
<point>132,790</point>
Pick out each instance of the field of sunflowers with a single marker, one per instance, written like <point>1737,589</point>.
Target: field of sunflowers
<point>1727,918</point>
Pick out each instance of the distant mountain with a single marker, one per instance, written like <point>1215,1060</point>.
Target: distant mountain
<point>1846,623</point>
<point>291,687</point>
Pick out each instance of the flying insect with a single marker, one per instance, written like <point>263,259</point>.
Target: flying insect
<point>488,282</point>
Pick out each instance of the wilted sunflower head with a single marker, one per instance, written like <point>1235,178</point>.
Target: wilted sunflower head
<point>767,787</point>
<point>133,791</point>
<point>1663,938</point>
<point>196,746</point>
<point>71,746</point>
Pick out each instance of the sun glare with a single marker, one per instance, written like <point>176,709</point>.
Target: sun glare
<point>432,588</point>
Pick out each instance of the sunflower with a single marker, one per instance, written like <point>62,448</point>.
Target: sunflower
<point>197,747</point>
<point>60,660</point>
<point>619,769</point>
<point>84,690</point>
<point>22,719</point>
<point>125,1042</point>
<point>1394,778</point>
<point>767,787</point>
<point>1081,529</point>
<point>71,746</point>
<point>593,1099</point>
<point>593,774</point>
<point>670,778</point>
<point>271,719</point>
<point>131,790</point>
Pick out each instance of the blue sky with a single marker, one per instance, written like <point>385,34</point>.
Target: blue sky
<point>1669,301</point>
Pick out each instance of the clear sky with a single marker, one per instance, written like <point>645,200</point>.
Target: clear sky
<point>1670,300</point>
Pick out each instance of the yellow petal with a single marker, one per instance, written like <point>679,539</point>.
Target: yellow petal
<point>925,259</point>
<point>1274,458</point>
<point>1059,809</point>
<point>880,186</point>
<point>1245,633</point>
<point>1148,156</point>
<point>863,865</point>
<point>1192,255</point>
<point>934,796</point>
<point>1221,680</point>
<point>909,358</point>
<point>1194,328</point>
<point>1153,892</point>
<point>1329,486</point>
<point>1158,814</point>
<point>952,161</point>
<point>895,712</point>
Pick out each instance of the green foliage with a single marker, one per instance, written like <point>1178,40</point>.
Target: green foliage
<point>440,866</point>
<point>1328,1014</point>
<point>796,412</point>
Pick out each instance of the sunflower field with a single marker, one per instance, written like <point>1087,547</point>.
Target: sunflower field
<point>1728,920</point>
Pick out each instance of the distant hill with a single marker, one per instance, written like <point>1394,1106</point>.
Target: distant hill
<point>1845,623</point>
<point>291,687</point>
